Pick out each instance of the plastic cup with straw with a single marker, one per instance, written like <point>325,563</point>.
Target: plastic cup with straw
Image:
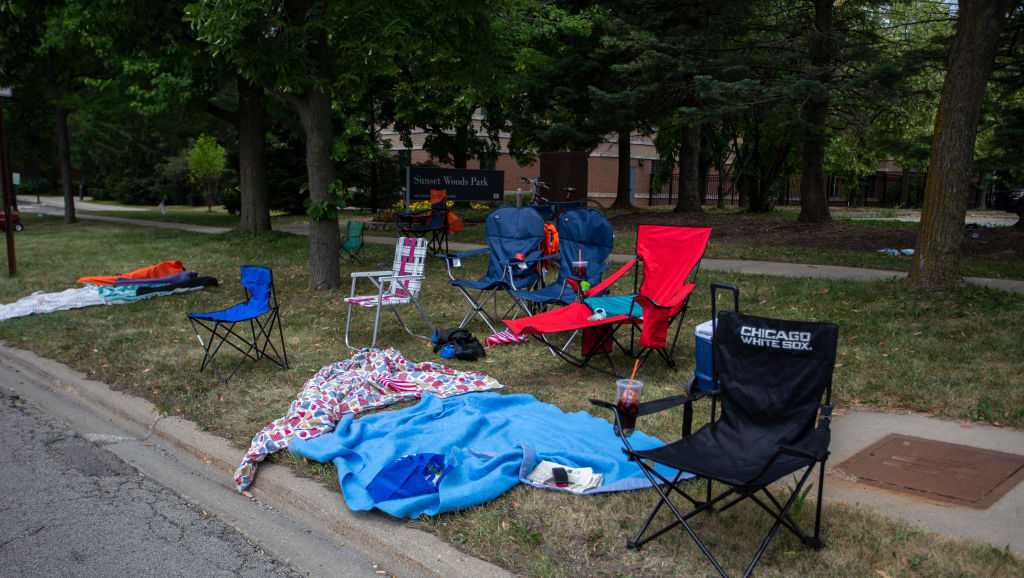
<point>628,400</point>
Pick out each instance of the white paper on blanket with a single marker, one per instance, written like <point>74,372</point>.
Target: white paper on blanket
<point>580,479</point>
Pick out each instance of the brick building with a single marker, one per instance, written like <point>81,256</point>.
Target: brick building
<point>602,166</point>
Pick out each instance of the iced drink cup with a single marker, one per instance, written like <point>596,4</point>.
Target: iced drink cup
<point>628,403</point>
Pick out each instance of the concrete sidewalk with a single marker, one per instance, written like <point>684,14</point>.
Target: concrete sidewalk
<point>1001,525</point>
<point>770,268</point>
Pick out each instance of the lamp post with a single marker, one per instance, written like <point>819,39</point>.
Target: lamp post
<point>8,186</point>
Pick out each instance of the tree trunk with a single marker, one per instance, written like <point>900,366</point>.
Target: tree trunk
<point>950,163</point>
<point>252,171</point>
<point>315,112</point>
<point>813,196</point>
<point>622,192</point>
<point>689,171</point>
<point>64,163</point>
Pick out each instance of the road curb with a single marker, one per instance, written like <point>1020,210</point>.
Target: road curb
<point>276,485</point>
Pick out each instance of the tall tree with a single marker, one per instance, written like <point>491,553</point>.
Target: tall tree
<point>310,53</point>
<point>813,197</point>
<point>950,165</point>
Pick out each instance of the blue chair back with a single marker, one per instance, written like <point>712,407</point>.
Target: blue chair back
<point>586,233</point>
<point>438,215</point>
<point>509,231</point>
<point>259,283</point>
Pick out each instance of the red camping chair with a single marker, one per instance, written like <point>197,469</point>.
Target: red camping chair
<point>670,257</point>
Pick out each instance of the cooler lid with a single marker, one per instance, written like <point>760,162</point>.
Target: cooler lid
<point>704,330</point>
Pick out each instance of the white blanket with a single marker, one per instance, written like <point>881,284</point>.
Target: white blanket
<point>40,302</point>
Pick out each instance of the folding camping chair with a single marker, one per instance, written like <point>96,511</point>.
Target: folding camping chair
<point>514,237</point>
<point>583,235</point>
<point>399,286</point>
<point>262,312</point>
<point>352,244</point>
<point>432,222</point>
<point>670,258</point>
<point>774,378</point>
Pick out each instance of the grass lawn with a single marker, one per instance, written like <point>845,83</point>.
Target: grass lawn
<point>955,355</point>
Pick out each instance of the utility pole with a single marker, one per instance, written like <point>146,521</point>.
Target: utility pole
<point>8,187</point>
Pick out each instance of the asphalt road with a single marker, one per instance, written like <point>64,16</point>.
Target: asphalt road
<point>68,507</point>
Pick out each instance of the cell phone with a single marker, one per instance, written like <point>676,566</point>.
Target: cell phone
<point>561,477</point>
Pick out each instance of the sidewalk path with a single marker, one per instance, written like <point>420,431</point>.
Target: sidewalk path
<point>45,209</point>
<point>58,203</point>
<point>770,268</point>
<point>1000,525</point>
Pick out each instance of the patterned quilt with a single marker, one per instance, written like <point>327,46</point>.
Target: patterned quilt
<point>370,379</point>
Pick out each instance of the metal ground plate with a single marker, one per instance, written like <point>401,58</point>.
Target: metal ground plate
<point>950,473</point>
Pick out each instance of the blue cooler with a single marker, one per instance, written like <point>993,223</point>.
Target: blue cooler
<point>702,350</point>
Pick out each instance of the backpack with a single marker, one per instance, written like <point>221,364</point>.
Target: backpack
<point>457,344</point>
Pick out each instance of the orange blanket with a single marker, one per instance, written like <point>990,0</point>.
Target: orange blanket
<point>162,269</point>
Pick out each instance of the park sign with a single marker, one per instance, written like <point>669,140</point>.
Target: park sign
<point>461,184</point>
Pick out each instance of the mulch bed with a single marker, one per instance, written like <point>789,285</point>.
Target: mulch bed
<point>780,231</point>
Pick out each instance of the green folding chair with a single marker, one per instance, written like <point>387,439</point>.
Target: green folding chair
<point>352,244</point>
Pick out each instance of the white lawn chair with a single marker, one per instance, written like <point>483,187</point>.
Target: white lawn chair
<point>399,286</point>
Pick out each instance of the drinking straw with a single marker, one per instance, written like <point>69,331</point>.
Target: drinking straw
<point>579,254</point>
<point>636,367</point>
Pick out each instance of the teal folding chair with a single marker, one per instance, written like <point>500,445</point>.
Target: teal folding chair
<point>352,244</point>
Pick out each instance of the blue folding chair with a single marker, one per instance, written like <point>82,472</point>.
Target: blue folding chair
<point>583,235</point>
<point>514,237</point>
<point>432,222</point>
<point>260,309</point>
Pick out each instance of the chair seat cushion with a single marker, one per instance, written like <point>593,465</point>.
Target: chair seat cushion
<point>616,305</point>
<point>235,313</point>
<point>370,301</point>
<point>716,452</point>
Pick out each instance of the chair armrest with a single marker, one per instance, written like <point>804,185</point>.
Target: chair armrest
<point>536,260</point>
<point>359,274</point>
<point>464,254</point>
<point>611,279</point>
<point>660,405</point>
<point>401,277</point>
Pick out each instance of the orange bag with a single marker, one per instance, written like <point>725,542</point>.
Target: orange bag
<point>550,244</point>
<point>161,269</point>
<point>455,223</point>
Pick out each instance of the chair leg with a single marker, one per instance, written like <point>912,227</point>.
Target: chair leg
<point>778,523</point>
<point>348,316</point>
<point>255,339</point>
<point>280,335</point>
<point>477,309</point>
<point>681,518</point>
<point>376,323</point>
<point>816,542</point>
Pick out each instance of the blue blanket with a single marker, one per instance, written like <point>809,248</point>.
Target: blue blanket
<point>490,442</point>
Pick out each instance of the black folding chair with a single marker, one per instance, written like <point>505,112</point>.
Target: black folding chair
<point>259,311</point>
<point>774,380</point>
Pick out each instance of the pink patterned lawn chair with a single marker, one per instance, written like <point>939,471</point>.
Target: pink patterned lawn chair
<point>399,286</point>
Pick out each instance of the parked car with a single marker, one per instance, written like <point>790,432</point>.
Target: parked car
<point>16,219</point>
